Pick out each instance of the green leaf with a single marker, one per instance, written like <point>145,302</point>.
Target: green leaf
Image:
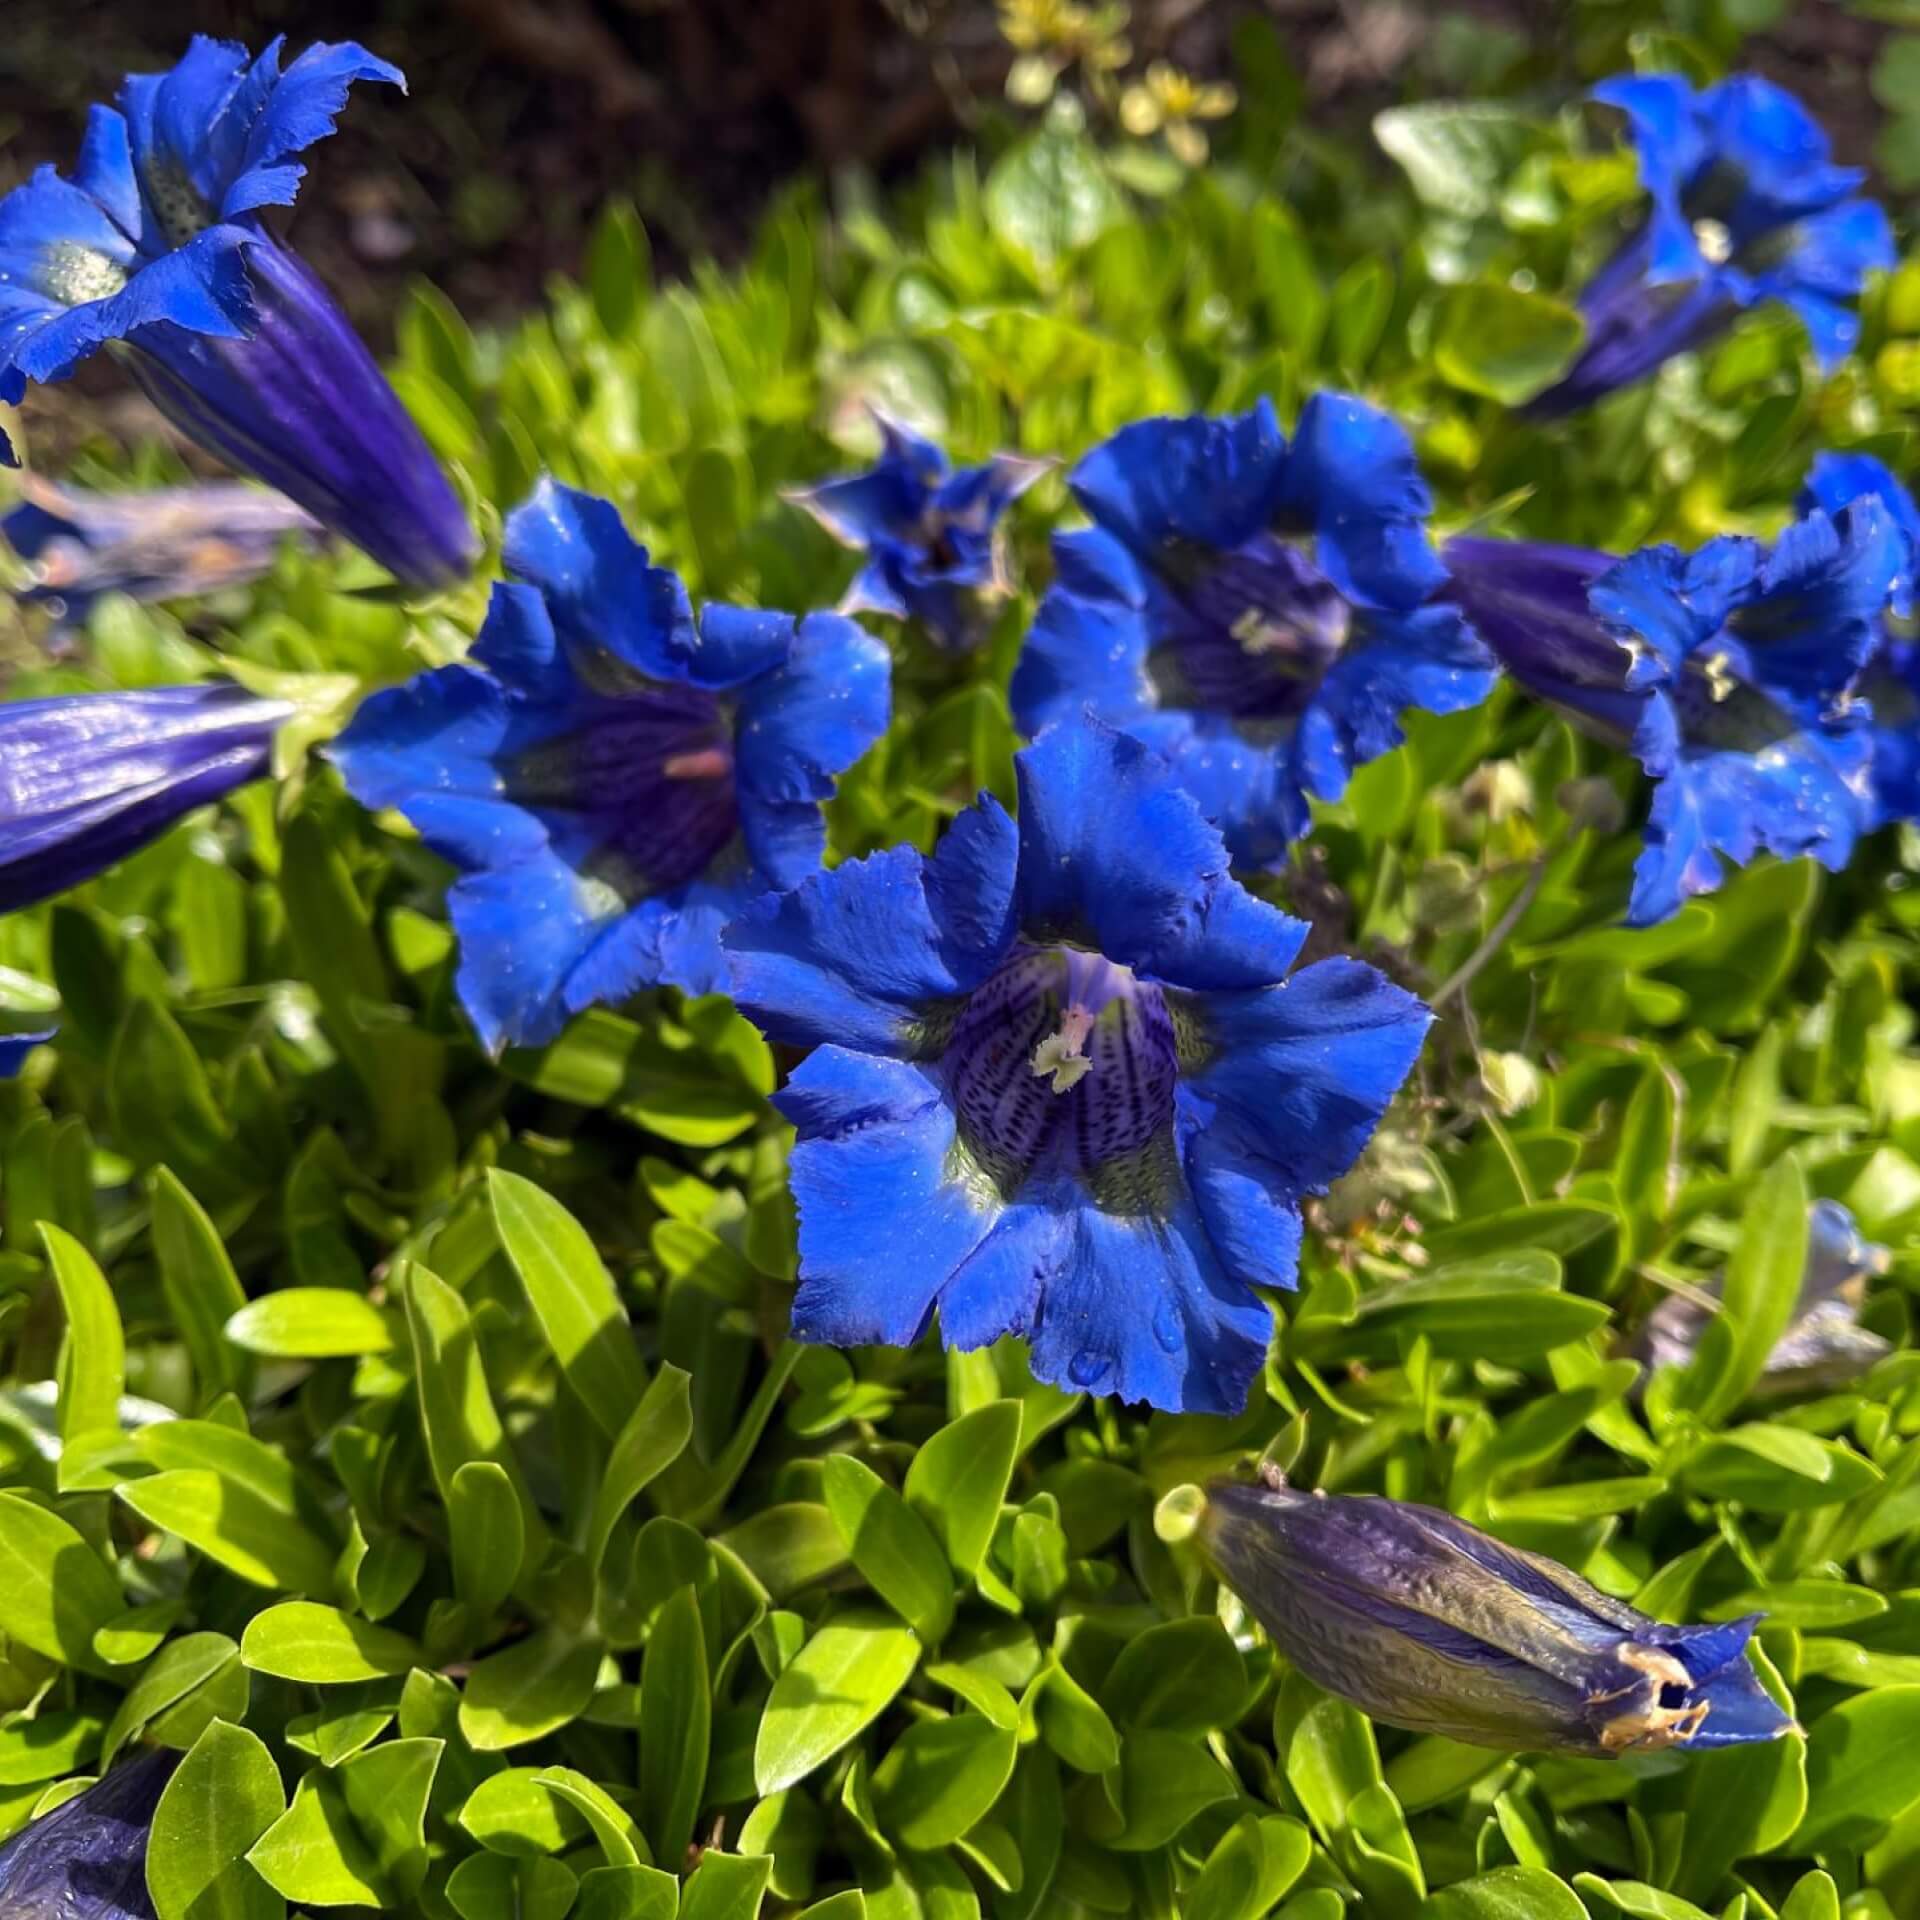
<point>1506,1893</point>
<point>1166,1779</point>
<point>519,1810</point>
<point>1257,1860</point>
<point>627,1893</point>
<point>93,1358</point>
<point>655,1435</point>
<point>1778,1469</point>
<point>891,1545</point>
<point>202,1291</point>
<point>490,1886</point>
<point>456,1404</point>
<point>310,1323</point>
<point>1494,339</point>
<point>959,1479</point>
<point>233,1525</point>
<point>676,1726</point>
<point>182,1668</point>
<point>836,1686</point>
<point>55,1592</point>
<point>573,1298</point>
<point>1047,197</point>
<point>1185,1676</point>
<point>222,1798</point>
<point>1073,1723</point>
<point>46,1747</point>
<point>489,1541</point>
<point>1763,1280</point>
<point>1863,1769</point>
<point>301,1640</point>
<point>355,1835</point>
<point>529,1689</point>
<point>623,1844</point>
<point>726,1886</point>
<point>1457,153</point>
<point>941,1777</point>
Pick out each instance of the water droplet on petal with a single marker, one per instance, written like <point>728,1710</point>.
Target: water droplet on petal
<point>1088,1368</point>
<point>1167,1328</point>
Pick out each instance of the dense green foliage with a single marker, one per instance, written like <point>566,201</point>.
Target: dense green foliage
<point>506,1556</point>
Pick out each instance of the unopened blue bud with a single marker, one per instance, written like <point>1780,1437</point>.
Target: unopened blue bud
<point>87,1860</point>
<point>1427,1623</point>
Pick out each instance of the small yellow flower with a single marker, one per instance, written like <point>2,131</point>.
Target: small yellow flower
<point>1172,103</point>
<point>1066,32</point>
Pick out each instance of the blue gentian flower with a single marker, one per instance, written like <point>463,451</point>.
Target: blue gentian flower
<point>14,1048</point>
<point>157,246</point>
<point>1061,1085</point>
<point>1889,685</point>
<point>1427,1623</point>
<point>1745,206</point>
<point>1824,1346</point>
<point>169,544</point>
<point>613,777</point>
<point>1258,612</point>
<point>86,779</point>
<point>87,1859</point>
<point>931,534</point>
<point>1727,672</point>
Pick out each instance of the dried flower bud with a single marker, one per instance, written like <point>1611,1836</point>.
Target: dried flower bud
<point>1426,1622</point>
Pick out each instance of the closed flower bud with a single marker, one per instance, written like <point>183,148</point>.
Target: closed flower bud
<point>87,1860</point>
<point>1427,1623</point>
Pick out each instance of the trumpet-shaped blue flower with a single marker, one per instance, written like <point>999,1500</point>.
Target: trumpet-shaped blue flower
<point>1427,1623</point>
<point>87,1859</point>
<point>932,535</point>
<point>613,777</point>
<point>170,544</point>
<point>1889,685</point>
<point>1745,206</point>
<point>1824,1345</point>
<point>1259,612</point>
<point>1061,1085</point>
<point>86,779</point>
<point>14,1048</point>
<point>157,245</point>
<point>1726,671</point>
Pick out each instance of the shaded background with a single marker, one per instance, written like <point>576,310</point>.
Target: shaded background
<point>525,116</point>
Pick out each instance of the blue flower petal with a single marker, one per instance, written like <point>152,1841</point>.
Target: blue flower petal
<point>518,645</point>
<point>879,587</point>
<point>302,108</point>
<point>1739,1710</point>
<point>1143,1309</point>
<point>603,594</point>
<point>883,1223</point>
<point>1354,482</point>
<point>850,957</point>
<point>1087,648</point>
<point>1813,619</point>
<point>14,1048</point>
<point>1255,1229</point>
<point>1214,482</point>
<point>1775,148</point>
<point>970,883</point>
<point>1429,658</point>
<point>1303,1072</point>
<point>1802,792</point>
<point>813,715</point>
<point>104,171</point>
<point>1665,603</point>
<point>1115,855</point>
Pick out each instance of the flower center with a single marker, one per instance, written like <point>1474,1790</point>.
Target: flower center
<point>1714,241</point>
<point>643,784</point>
<point>176,201</point>
<point>1263,626</point>
<point>1064,1063</point>
<point>75,275</point>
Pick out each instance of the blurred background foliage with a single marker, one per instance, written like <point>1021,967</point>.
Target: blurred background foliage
<point>432,1418</point>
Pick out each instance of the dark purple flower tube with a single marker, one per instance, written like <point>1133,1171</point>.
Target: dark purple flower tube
<point>87,1859</point>
<point>300,402</point>
<point>87,779</point>
<point>1427,1623</point>
<point>1528,601</point>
